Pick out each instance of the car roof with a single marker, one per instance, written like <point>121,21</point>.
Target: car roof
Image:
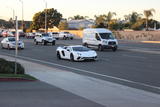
<point>75,46</point>
<point>10,37</point>
<point>100,30</point>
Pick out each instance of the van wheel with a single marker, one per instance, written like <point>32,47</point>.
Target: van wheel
<point>53,43</point>
<point>71,57</point>
<point>64,37</point>
<point>114,49</point>
<point>100,47</point>
<point>85,44</point>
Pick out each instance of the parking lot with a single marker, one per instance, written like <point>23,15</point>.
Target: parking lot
<point>134,64</point>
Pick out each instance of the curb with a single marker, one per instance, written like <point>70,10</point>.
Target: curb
<point>156,42</point>
<point>15,79</point>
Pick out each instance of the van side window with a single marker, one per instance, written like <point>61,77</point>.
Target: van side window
<point>97,37</point>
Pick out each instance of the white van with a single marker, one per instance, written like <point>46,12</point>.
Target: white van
<point>99,37</point>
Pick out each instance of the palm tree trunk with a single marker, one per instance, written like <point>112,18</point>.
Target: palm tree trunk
<point>146,23</point>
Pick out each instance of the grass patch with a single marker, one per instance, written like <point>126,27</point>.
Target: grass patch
<point>23,76</point>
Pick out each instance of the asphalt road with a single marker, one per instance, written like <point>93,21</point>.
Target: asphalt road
<point>135,64</point>
<point>39,94</point>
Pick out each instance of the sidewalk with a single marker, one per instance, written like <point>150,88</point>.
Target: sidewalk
<point>98,91</point>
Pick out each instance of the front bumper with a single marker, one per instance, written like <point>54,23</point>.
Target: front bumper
<point>110,46</point>
<point>50,41</point>
<point>19,47</point>
<point>80,58</point>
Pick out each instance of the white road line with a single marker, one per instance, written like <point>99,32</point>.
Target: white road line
<point>126,55</point>
<point>143,50</point>
<point>89,72</point>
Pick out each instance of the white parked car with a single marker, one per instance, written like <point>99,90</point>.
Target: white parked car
<point>30,35</point>
<point>54,34</point>
<point>66,35</point>
<point>76,53</point>
<point>44,39</point>
<point>10,43</point>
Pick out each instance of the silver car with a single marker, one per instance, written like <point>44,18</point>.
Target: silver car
<point>10,43</point>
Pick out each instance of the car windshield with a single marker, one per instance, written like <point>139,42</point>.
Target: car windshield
<point>80,49</point>
<point>54,33</point>
<point>106,35</point>
<point>11,39</point>
<point>45,35</point>
<point>66,32</point>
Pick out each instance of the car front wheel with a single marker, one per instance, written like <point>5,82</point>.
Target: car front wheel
<point>2,46</point>
<point>58,55</point>
<point>8,47</point>
<point>36,43</point>
<point>53,43</point>
<point>71,57</point>
<point>43,42</point>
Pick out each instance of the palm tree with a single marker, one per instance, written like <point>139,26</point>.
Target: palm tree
<point>109,17</point>
<point>148,14</point>
<point>78,17</point>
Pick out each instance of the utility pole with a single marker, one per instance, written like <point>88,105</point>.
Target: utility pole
<point>22,15</point>
<point>16,49</point>
<point>45,16</point>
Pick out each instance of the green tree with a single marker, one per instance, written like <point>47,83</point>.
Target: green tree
<point>109,17</point>
<point>148,14</point>
<point>63,25</point>
<point>131,19</point>
<point>139,25</point>
<point>100,21</point>
<point>53,19</point>
<point>78,17</point>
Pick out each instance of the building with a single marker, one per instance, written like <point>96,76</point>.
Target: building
<point>78,24</point>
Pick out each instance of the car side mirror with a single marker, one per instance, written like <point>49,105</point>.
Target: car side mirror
<point>97,37</point>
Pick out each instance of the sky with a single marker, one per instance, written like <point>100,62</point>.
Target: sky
<point>71,8</point>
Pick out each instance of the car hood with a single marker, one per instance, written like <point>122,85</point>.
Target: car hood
<point>14,42</point>
<point>87,53</point>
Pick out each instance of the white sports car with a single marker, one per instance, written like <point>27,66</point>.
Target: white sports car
<point>76,53</point>
<point>10,43</point>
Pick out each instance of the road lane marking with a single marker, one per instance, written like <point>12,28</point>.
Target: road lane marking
<point>89,72</point>
<point>134,56</point>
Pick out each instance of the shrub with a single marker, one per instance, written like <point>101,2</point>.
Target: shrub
<point>8,67</point>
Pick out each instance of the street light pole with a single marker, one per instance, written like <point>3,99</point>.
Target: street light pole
<point>22,15</point>
<point>45,16</point>
<point>16,49</point>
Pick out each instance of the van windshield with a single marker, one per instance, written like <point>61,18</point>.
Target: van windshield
<point>106,35</point>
